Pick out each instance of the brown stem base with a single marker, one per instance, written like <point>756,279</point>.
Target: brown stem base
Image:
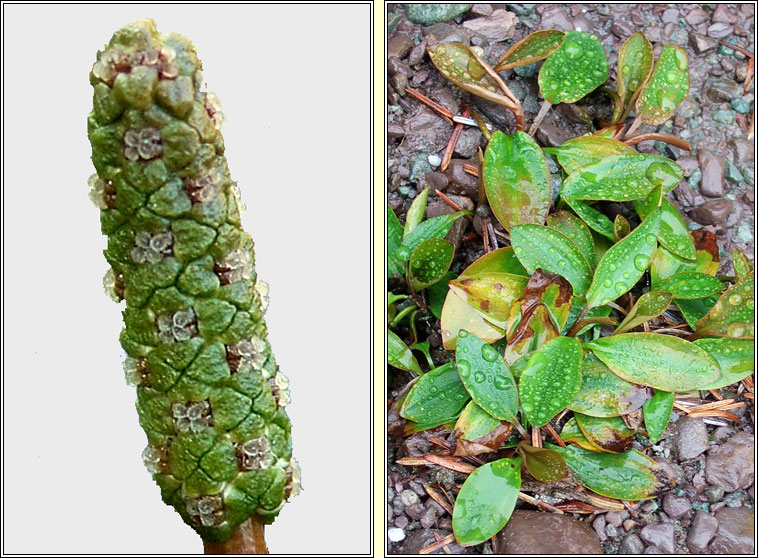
<point>247,538</point>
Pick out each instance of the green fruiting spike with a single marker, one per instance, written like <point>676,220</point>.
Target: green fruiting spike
<point>667,87</point>
<point>210,396</point>
<point>577,67</point>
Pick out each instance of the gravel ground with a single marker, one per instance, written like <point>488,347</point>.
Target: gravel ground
<point>711,510</point>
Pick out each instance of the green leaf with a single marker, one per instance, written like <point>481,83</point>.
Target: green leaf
<point>437,293</point>
<point>475,422</point>
<point>459,64</point>
<point>430,261</point>
<point>667,87</point>
<point>491,294</point>
<point>486,501</point>
<point>458,315</point>
<point>660,361</point>
<point>572,227</point>
<point>436,227</point>
<point>673,233</point>
<point>416,212</point>
<point>551,379</point>
<point>742,265</point>
<point>624,263</point>
<point>585,150</point>
<point>647,307</point>
<point>621,227</point>
<point>603,393</point>
<point>543,464</point>
<point>622,178</point>
<point>437,396</point>
<point>395,267</point>
<point>635,65</point>
<point>502,260</point>
<point>400,356</point>
<point>572,434</point>
<point>664,263</point>
<point>577,67</point>
<point>657,412</point>
<point>694,310</point>
<point>690,284</point>
<point>532,48</point>
<point>517,180</point>
<point>627,476</point>
<point>486,377</point>
<point>736,358</point>
<point>609,434</point>
<point>733,314</point>
<point>542,247</point>
<point>591,216</point>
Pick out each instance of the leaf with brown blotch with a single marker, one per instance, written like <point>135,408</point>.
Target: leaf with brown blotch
<point>491,294</point>
<point>543,464</point>
<point>610,434</point>
<point>489,443</point>
<point>543,287</point>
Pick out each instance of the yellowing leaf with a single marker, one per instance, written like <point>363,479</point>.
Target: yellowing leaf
<point>733,314</point>
<point>532,48</point>
<point>492,294</point>
<point>604,394</point>
<point>457,315</point>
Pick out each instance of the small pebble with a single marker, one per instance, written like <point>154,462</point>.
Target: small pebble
<point>434,160</point>
<point>395,534</point>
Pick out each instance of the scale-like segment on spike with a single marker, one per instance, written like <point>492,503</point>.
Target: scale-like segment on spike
<point>210,396</point>
<point>577,67</point>
<point>667,87</point>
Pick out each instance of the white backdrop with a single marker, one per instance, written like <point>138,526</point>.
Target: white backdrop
<point>293,81</point>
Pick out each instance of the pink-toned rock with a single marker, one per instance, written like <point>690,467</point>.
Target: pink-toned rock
<point>533,532</point>
<point>498,26</point>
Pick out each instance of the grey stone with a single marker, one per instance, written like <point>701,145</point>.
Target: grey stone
<point>481,9</point>
<point>616,518</point>
<point>414,511</point>
<point>691,438</point>
<point>533,532</point>
<point>599,526</point>
<point>653,550</point>
<point>724,116</point>
<point>731,465</point>
<point>395,66</point>
<point>437,208</point>
<point>408,498</point>
<point>460,181</point>
<point>428,14</point>
<point>713,169</point>
<point>551,135</point>
<point>724,14</point>
<point>723,433</point>
<point>676,507</point>
<point>555,18</point>
<point>497,26</point>
<point>621,29</point>
<point>720,30</point>
<point>401,521</point>
<point>712,212</point>
<point>701,532</point>
<point>736,532</point>
<point>670,16</point>
<point>434,181</point>
<point>632,544</point>
<point>660,535</point>
<point>417,53</point>
<point>428,518</point>
<point>468,142</point>
<point>697,16</point>
<point>723,90</point>
<point>399,45</point>
<point>713,493</point>
<point>733,499</point>
<point>688,109</point>
<point>701,43</point>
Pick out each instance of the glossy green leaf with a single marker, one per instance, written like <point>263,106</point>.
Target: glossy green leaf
<point>416,212</point>
<point>604,394</point>
<point>475,422</point>
<point>602,245</point>
<point>591,216</point>
<point>622,178</point>
<point>502,260</point>
<point>660,361</point>
<point>459,64</point>
<point>647,307</point>
<point>437,293</point>
<point>492,294</point>
<point>627,476</point>
<point>585,150</point>
<point>572,227</point>
<point>395,266</point>
<point>694,310</point>
<point>742,265</point>
<point>436,227</point>
<point>544,248</point>
<point>621,227</point>
<point>733,314</point>
<point>400,356</point>
<point>690,284</point>
<point>664,263</point>
<point>635,64</point>
<point>430,261</point>
<point>736,358</point>
<point>486,377</point>
<point>543,464</point>
<point>667,87</point>
<point>486,501</point>
<point>532,48</point>
<point>609,434</point>
<point>657,412</point>
<point>673,233</point>
<point>572,434</point>
<point>551,379</point>
<point>517,180</point>
<point>624,263</point>
<point>458,315</point>
<point>577,67</point>
<point>437,396</point>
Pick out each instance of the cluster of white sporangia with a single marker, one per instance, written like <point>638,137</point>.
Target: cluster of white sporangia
<point>152,248</point>
<point>113,61</point>
<point>207,510</point>
<point>205,188</point>
<point>144,143</point>
<point>192,416</point>
<point>177,326</point>
<point>237,265</point>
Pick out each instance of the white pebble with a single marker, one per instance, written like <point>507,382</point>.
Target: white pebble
<point>434,160</point>
<point>395,534</point>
